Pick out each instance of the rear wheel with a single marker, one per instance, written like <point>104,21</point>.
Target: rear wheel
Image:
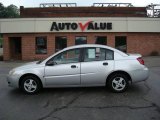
<point>30,84</point>
<point>118,83</point>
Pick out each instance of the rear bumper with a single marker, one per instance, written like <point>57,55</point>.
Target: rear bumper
<point>139,75</point>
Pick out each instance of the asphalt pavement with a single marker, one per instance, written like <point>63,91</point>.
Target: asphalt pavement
<point>140,102</point>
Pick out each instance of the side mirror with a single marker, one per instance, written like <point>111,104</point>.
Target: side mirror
<point>50,63</point>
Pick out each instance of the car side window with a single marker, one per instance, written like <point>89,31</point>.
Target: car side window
<point>94,54</point>
<point>97,54</point>
<point>70,56</point>
<point>109,55</point>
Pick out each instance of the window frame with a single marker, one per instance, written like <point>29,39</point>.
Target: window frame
<point>36,39</point>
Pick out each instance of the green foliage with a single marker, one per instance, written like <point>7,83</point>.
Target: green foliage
<point>10,11</point>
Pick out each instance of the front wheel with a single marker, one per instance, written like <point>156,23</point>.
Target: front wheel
<point>30,84</point>
<point>118,83</point>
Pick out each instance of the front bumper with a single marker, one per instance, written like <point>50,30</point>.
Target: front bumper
<point>13,81</point>
<point>140,74</point>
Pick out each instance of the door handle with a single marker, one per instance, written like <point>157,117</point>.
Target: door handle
<point>105,63</point>
<point>73,66</point>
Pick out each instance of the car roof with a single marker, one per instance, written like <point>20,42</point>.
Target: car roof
<point>88,45</point>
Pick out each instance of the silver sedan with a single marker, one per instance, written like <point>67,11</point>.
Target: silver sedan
<point>81,66</point>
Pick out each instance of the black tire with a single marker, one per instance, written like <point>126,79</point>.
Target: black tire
<point>30,85</point>
<point>118,83</point>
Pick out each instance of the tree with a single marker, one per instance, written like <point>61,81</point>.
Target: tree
<point>2,10</point>
<point>10,11</point>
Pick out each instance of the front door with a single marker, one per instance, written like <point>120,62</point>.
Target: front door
<point>65,69</point>
<point>15,48</point>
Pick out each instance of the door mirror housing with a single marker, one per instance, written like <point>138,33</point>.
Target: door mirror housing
<point>50,63</point>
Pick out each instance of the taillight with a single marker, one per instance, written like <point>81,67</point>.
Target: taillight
<point>141,61</point>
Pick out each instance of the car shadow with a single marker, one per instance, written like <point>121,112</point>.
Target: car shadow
<point>134,89</point>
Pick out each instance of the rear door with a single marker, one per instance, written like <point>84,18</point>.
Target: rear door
<point>97,64</point>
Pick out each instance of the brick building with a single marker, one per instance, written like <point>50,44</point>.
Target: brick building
<point>42,31</point>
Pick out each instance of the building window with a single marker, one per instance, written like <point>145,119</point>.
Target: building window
<point>102,40</point>
<point>121,43</point>
<point>41,45</point>
<point>60,43</point>
<point>81,40</point>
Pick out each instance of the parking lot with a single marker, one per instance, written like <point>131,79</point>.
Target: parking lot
<point>140,102</point>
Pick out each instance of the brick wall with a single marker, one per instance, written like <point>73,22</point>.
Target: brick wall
<point>83,12</point>
<point>143,43</point>
<point>6,48</point>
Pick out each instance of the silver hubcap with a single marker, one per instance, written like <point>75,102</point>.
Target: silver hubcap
<point>30,85</point>
<point>119,83</point>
